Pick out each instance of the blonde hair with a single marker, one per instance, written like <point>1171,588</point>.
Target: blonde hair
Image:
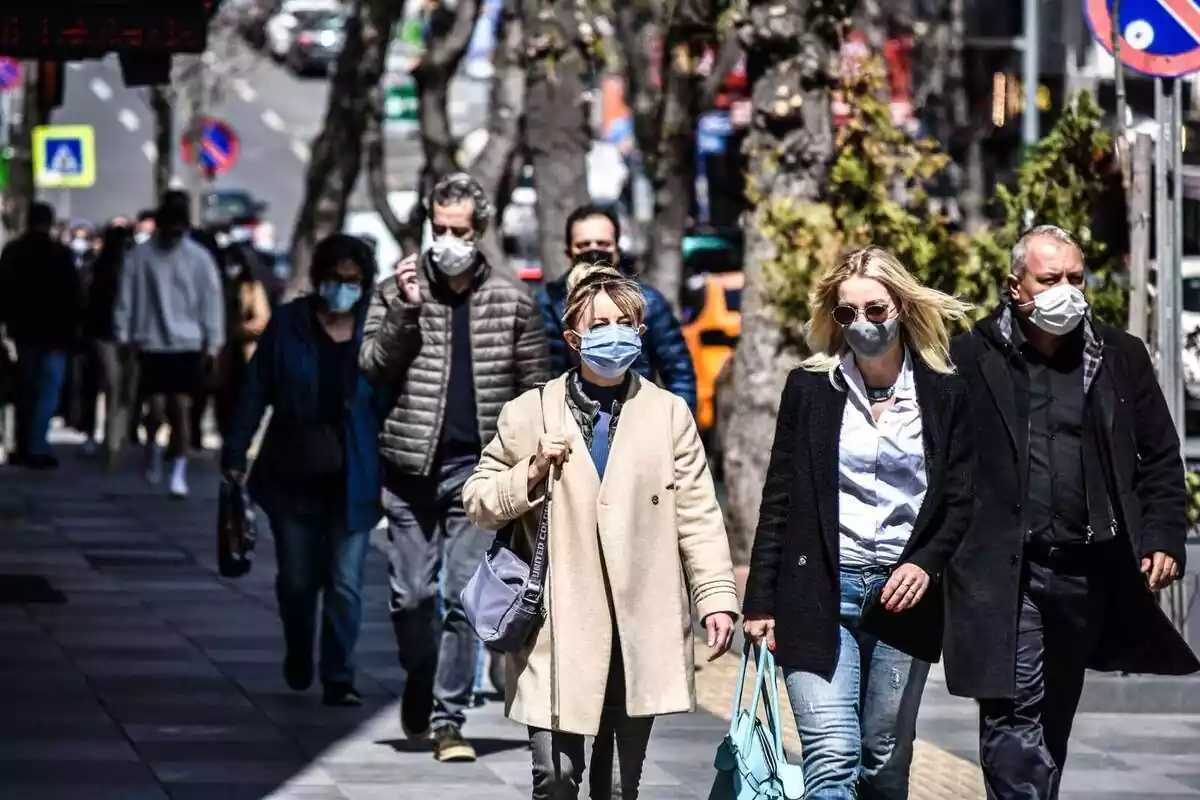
<point>923,312</point>
<point>588,280</point>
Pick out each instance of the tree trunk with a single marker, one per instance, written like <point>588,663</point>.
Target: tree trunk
<point>164,140</point>
<point>791,49</point>
<point>337,151</point>
<point>449,36</point>
<point>969,131</point>
<point>558,79</point>
<point>495,165</point>
<point>407,234</point>
<point>673,171</point>
<point>20,192</point>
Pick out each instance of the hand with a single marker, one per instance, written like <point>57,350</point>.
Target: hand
<point>905,588</point>
<point>757,628</point>
<point>553,450</point>
<point>720,633</point>
<point>1161,570</point>
<point>407,280</point>
<point>235,476</point>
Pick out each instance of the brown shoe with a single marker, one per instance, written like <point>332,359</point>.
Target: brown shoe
<point>450,747</point>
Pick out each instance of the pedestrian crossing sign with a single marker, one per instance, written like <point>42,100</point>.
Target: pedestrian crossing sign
<point>64,157</point>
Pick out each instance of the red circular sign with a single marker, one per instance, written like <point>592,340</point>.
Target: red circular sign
<point>1152,23</point>
<point>219,147</point>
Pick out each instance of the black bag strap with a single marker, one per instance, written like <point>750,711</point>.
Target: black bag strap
<point>535,585</point>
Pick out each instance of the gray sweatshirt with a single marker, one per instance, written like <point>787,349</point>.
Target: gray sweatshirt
<point>170,301</point>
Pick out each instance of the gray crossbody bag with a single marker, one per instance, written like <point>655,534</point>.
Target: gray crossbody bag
<point>503,599</point>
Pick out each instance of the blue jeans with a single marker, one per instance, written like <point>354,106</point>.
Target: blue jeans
<point>316,554</point>
<point>857,730</point>
<point>434,550</point>
<point>40,374</point>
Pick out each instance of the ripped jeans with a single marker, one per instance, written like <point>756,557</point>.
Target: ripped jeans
<point>856,730</point>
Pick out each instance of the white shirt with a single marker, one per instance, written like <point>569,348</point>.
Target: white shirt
<point>881,471</point>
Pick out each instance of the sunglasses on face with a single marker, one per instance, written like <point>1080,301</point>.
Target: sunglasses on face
<point>876,312</point>
<point>442,230</point>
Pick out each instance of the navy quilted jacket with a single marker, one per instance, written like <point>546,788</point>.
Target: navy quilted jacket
<point>665,356</point>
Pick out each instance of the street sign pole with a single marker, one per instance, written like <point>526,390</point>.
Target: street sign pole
<point>1169,218</point>
<point>1031,64</point>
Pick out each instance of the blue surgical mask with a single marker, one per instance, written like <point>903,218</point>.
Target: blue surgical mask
<point>610,350</point>
<point>339,297</point>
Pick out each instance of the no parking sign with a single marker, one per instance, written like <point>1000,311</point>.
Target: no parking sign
<point>1159,38</point>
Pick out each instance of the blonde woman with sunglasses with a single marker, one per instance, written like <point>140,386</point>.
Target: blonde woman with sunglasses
<point>867,496</point>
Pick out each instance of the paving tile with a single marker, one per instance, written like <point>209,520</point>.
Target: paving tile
<point>413,770</point>
<point>67,750</point>
<point>292,772</point>
<point>182,752</point>
<point>198,732</point>
<point>142,790</point>
<point>408,790</point>
<point>72,773</point>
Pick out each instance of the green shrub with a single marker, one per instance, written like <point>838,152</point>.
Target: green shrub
<point>1062,182</point>
<point>876,196</point>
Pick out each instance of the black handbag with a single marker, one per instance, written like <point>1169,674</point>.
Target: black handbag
<point>237,531</point>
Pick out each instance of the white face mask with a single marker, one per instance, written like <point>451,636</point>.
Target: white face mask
<point>452,256</point>
<point>1059,309</point>
<point>141,237</point>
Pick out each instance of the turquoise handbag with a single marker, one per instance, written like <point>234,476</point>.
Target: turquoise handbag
<point>750,762</point>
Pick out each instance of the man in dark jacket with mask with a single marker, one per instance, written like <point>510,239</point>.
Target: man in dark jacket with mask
<point>593,233</point>
<point>1081,520</point>
<point>452,341</point>
<point>41,309</point>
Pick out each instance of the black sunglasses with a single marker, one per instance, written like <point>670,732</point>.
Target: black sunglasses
<point>442,230</point>
<point>876,313</point>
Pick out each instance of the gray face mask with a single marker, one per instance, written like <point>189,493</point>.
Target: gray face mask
<point>871,340</point>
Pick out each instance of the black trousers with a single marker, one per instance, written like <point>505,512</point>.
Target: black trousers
<point>1023,740</point>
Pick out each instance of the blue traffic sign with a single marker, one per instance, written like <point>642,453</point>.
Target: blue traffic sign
<point>11,74</point>
<point>1159,38</point>
<point>64,156</point>
<point>219,147</point>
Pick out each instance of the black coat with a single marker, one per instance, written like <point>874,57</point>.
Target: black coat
<point>794,565</point>
<point>40,296</point>
<point>1145,479</point>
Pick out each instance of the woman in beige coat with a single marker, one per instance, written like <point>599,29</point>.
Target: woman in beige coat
<point>635,537</point>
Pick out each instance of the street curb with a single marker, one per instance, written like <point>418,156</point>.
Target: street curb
<point>1109,693</point>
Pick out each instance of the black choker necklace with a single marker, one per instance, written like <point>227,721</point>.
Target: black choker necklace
<point>881,395</point>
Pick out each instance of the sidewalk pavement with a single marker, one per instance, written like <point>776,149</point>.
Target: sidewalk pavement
<point>129,670</point>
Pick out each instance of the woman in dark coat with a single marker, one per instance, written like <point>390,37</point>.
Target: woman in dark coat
<point>317,475</point>
<point>867,496</point>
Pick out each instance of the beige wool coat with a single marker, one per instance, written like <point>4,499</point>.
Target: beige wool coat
<point>655,524</point>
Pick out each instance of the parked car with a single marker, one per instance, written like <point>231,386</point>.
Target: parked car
<point>317,45</point>
<point>281,27</point>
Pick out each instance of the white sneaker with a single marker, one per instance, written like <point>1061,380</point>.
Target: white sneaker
<point>154,464</point>
<point>179,487</point>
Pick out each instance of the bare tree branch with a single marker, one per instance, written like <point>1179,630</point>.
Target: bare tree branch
<point>494,166</point>
<point>336,153</point>
<point>407,234</point>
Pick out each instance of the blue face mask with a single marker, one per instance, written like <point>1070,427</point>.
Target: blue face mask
<point>610,350</point>
<point>339,297</point>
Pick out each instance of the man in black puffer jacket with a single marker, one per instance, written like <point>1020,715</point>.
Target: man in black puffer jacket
<point>592,236</point>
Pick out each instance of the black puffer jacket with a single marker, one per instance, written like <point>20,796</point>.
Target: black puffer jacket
<point>406,351</point>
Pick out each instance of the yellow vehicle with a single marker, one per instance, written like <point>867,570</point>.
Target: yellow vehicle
<point>711,333</point>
